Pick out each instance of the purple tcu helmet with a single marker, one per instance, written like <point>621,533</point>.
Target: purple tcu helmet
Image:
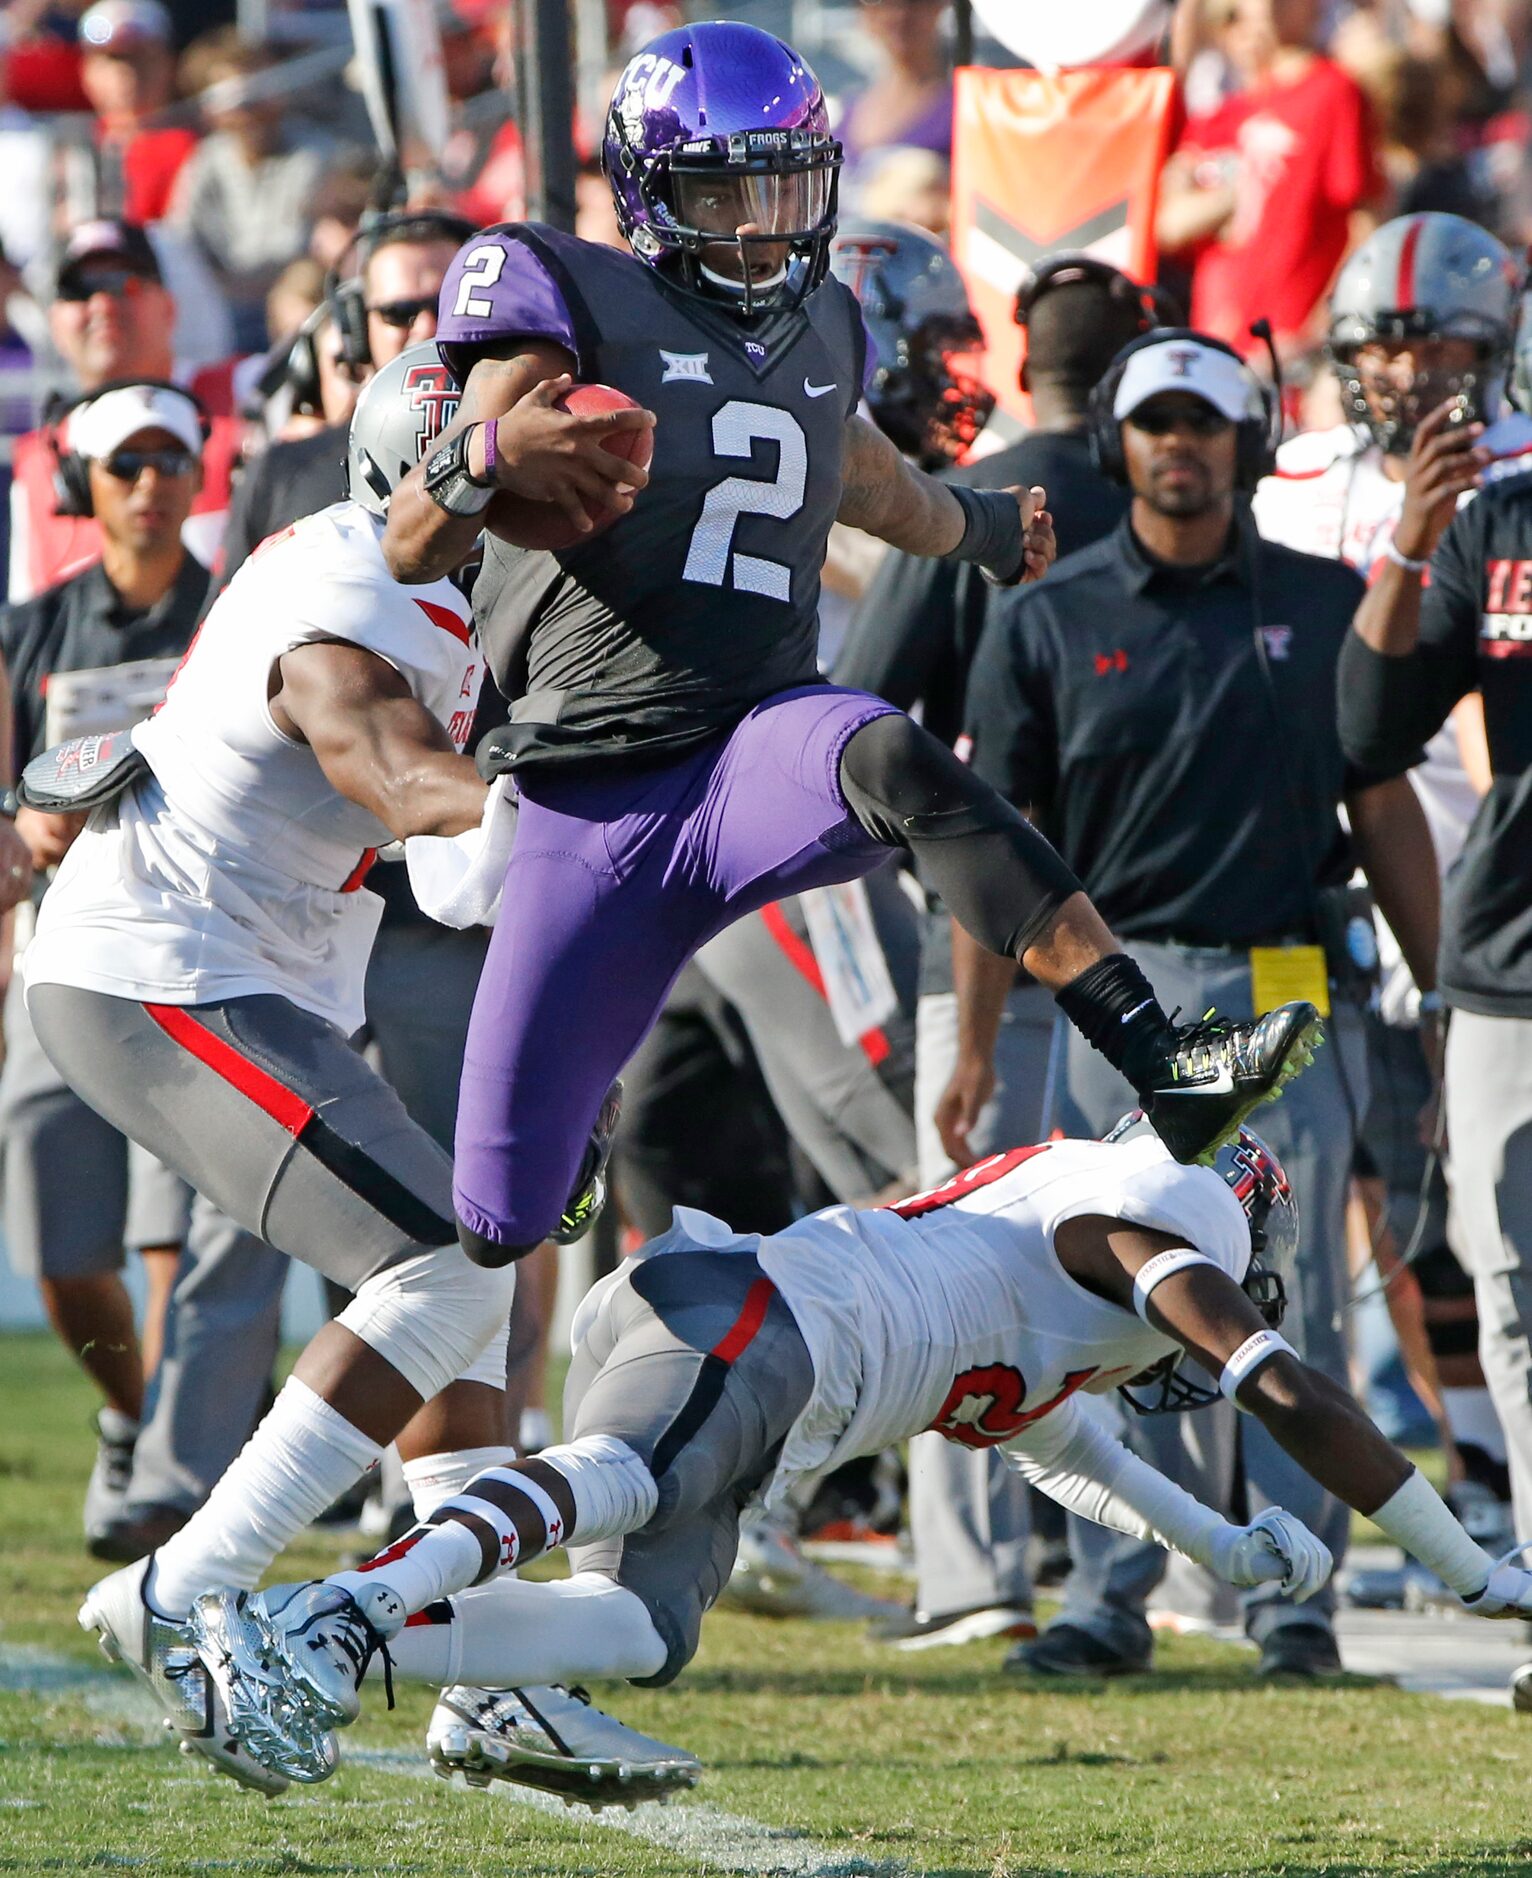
<point>713,128</point>
<point>1259,1182</point>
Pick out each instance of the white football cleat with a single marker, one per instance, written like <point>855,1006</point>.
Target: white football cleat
<point>555,1740</point>
<point>772,1577</point>
<point>161,1655</point>
<point>287,1664</point>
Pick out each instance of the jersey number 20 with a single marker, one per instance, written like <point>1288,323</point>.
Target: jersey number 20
<point>736,428</point>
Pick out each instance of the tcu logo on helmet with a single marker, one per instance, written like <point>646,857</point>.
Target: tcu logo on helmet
<point>983,1406</point>
<point>433,394</point>
<point>647,86</point>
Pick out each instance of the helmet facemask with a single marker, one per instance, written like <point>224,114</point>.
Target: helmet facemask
<point>1389,404</point>
<point>780,185</point>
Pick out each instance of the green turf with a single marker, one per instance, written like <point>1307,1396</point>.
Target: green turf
<point>933,1764</point>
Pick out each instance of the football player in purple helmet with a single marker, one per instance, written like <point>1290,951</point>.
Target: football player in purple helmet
<point>678,758</point>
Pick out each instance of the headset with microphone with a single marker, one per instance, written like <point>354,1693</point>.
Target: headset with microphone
<point>1257,435</point>
<point>343,293</point>
<point>71,471</point>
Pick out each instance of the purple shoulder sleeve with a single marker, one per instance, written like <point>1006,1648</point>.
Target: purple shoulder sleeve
<point>496,288</point>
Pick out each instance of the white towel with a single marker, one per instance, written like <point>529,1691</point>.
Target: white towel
<point>457,879</point>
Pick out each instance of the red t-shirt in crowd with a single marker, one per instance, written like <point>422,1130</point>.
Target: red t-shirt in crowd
<point>1303,158</point>
<point>151,160</point>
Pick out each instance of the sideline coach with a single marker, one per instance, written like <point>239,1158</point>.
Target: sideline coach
<point>1165,709</point>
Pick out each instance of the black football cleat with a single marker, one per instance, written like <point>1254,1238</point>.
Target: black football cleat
<point>1199,1092</point>
<point>589,1195</point>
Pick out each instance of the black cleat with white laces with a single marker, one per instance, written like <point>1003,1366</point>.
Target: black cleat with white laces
<point>1197,1092</point>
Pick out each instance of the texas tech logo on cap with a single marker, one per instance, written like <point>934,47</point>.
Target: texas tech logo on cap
<point>435,397</point>
<point>1181,359</point>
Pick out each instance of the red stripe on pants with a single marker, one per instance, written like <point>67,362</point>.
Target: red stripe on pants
<point>752,1315</point>
<point>282,1104</point>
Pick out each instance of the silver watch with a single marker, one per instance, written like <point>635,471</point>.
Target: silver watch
<point>448,482</point>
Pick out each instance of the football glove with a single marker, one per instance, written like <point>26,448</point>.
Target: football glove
<point>1275,1548</point>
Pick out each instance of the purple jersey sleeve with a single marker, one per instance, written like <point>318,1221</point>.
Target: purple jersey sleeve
<point>497,289</point>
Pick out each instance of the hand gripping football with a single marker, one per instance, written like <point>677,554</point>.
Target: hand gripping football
<point>526,523</point>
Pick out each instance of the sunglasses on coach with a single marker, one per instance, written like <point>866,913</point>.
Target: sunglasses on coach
<point>128,465</point>
<point>1200,419</point>
<point>403,314</point>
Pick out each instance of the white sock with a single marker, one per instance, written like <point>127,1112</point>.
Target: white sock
<point>1471,1417</point>
<point>301,1457</point>
<point>113,1425</point>
<point>511,1634</point>
<point>436,1477</point>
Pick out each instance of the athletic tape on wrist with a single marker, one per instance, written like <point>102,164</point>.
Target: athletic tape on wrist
<point>1250,1355</point>
<point>1416,1517</point>
<point>1175,1259</point>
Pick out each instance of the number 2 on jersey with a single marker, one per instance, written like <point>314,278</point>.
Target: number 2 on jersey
<point>736,429</point>
<point>482,268</point>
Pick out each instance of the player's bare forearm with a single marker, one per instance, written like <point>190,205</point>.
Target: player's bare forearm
<point>1388,619</point>
<point>1394,846</point>
<point>376,743</point>
<point>422,541</point>
<point>887,497</point>
<point>1325,1432</point>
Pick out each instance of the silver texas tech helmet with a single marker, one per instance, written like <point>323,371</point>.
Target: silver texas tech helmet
<point>402,411</point>
<point>1427,276</point>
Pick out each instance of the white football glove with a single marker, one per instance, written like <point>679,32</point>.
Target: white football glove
<point>1509,1591</point>
<point>1275,1548</point>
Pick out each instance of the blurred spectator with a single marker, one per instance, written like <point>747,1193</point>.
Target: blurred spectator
<point>111,317</point>
<point>339,203</point>
<point>909,100</point>
<point>128,73</point>
<point>908,185</point>
<point>295,293</point>
<point>42,56</point>
<point>246,194</point>
<point>1266,194</point>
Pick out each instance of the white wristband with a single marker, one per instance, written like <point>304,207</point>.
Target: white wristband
<point>1416,1518</point>
<point>1250,1355</point>
<point>1391,553</point>
<point>1175,1259</point>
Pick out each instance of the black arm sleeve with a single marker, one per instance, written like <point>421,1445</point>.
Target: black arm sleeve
<point>1389,707</point>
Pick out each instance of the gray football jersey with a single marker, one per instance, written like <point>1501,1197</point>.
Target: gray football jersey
<point>703,600</point>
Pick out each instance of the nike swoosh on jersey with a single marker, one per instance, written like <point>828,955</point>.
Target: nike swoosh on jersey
<point>817,391</point>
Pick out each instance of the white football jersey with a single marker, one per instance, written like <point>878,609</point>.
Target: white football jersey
<point>950,1312</point>
<point>235,868</point>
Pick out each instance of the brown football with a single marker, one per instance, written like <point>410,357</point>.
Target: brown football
<point>529,524</point>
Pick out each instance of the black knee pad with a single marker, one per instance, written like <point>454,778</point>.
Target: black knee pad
<point>489,1252</point>
<point>994,872</point>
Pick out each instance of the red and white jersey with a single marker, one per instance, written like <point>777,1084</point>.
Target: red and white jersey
<point>1330,495</point>
<point>235,868</point>
<point>951,1311</point>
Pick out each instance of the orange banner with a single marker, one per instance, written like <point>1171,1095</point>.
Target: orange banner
<point>1043,163</point>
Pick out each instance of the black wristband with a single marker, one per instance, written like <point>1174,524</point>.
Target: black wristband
<point>992,533</point>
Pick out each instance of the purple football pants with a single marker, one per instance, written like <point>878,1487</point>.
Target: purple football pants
<point>613,884</point>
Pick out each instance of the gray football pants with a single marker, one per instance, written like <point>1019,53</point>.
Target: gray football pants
<point>850,1115</point>
<point>696,1363</point>
<point>969,1521</point>
<point>225,1315</point>
<point>1489,1129</point>
<point>1312,1130</point>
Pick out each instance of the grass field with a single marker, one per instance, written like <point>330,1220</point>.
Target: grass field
<point>825,1754</point>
